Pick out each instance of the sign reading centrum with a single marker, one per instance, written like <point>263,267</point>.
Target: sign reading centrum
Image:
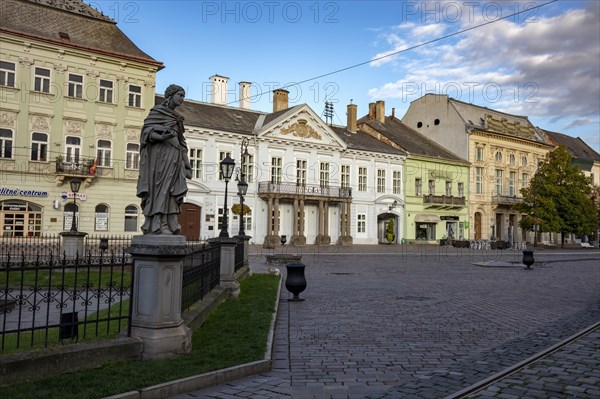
<point>22,193</point>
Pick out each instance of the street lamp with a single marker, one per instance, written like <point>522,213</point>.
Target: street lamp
<point>75,185</point>
<point>242,190</point>
<point>227,165</point>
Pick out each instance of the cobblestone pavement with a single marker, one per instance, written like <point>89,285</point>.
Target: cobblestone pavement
<point>421,323</point>
<point>571,372</point>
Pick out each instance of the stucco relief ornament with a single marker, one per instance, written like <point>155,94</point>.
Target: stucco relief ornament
<point>73,127</point>
<point>301,129</point>
<point>104,131</point>
<point>7,120</point>
<point>40,122</point>
<point>131,134</point>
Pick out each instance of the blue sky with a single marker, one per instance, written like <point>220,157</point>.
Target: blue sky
<point>543,63</point>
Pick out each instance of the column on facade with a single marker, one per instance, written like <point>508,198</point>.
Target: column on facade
<point>276,217</point>
<point>295,218</point>
<point>321,219</point>
<point>269,216</point>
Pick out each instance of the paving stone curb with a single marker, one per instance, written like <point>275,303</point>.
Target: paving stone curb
<point>192,383</point>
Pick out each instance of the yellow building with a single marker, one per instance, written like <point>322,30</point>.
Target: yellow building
<point>74,91</point>
<point>503,149</point>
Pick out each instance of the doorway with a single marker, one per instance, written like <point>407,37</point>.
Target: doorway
<point>189,219</point>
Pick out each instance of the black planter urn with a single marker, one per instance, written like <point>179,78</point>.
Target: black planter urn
<point>295,281</point>
<point>528,259</point>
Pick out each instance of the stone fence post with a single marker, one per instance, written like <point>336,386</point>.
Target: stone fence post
<point>156,298</point>
<point>228,280</point>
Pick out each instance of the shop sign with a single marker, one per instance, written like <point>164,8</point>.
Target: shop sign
<point>80,196</point>
<point>22,193</point>
<point>449,218</point>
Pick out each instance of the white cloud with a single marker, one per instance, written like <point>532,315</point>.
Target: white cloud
<point>548,68</point>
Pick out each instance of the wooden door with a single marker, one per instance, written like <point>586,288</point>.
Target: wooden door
<point>478,226</point>
<point>189,219</point>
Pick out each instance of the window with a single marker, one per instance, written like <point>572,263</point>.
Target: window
<point>524,180</point>
<point>101,218</point>
<point>132,160</point>
<point>524,161</point>
<point>7,73</point>
<point>479,154</point>
<point>498,156</point>
<point>222,156</point>
<point>300,172</point>
<point>512,189</point>
<point>511,159</point>
<point>276,170</point>
<point>196,162</point>
<point>361,225</point>
<point>397,182</point>
<point>431,187</point>
<point>461,189</point>
<point>106,91</point>
<point>41,80</point>
<point>6,141</point>
<point>104,153</point>
<point>324,174</point>
<point>418,187</point>
<point>248,221</point>
<point>131,218</point>
<point>381,180</point>
<point>39,147</point>
<point>75,86</point>
<point>345,176</point>
<point>248,167</point>
<point>498,182</point>
<point>72,149</point>
<point>479,180</point>
<point>362,179</point>
<point>135,96</point>
<point>448,188</point>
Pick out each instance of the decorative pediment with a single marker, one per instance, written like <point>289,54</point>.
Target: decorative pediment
<point>301,124</point>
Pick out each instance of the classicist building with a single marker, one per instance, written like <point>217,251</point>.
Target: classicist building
<point>503,150</point>
<point>308,181</point>
<point>436,181</point>
<point>74,93</point>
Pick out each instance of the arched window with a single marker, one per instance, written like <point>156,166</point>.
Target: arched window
<point>101,217</point>
<point>523,161</point>
<point>498,156</point>
<point>69,209</point>
<point>511,159</point>
<point>131,218</point>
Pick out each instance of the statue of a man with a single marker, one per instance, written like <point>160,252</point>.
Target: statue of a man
<point>164,165</point>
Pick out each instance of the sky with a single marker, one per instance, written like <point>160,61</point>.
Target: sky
<point>543,62</point>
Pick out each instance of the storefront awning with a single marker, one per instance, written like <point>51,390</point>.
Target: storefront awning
<point>426,218</point>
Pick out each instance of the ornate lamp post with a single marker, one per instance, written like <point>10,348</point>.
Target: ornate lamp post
<point>242,183</point>
<point>75,185</point>
<point>227,165</point>
<point>242,190</point>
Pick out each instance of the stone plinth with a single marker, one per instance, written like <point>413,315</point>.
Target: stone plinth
<point>156,316</point>
<point>227,277</point>
<point>322,240</point>
<point>345,241</point>
<point>73,244</point>
<point>298,240</point>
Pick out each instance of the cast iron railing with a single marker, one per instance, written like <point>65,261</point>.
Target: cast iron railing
<point>201,273</point>
<point>48,298</point>
<point>266,187</point>
<point>239,255</point>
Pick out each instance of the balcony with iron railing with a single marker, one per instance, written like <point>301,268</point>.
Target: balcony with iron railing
<point>75,167</point>
<point>444,201</point>
<point>507,200</point>
<point>292,189</point>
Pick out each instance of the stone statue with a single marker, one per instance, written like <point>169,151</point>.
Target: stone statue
<point>164,165</point>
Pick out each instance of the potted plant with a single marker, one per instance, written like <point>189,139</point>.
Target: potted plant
<point>389,232</point>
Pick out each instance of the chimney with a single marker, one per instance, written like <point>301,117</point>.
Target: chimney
<point>371,110</point>
<point>393,113</point>
<point>219,89</point>
<point>280,99</point>
<point>245,95</point>
<point>351,124</point>
<point>380,111</point>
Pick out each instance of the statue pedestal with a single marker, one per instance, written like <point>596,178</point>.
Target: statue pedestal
<point>156,315</point>
<point>73,244</point>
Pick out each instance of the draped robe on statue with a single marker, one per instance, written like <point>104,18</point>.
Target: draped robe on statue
<point>161,183</point>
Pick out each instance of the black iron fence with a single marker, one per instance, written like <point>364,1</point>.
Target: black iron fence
<point>47,298</point>
<point>201,273</point>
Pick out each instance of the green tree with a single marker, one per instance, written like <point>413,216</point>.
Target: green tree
<point>389,231</point>
<point>559,197</point>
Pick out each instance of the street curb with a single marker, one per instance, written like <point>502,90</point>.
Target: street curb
<point>478,386</point>
<point>199,381</point>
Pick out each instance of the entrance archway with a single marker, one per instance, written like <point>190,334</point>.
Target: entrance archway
<point>189,219</point>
